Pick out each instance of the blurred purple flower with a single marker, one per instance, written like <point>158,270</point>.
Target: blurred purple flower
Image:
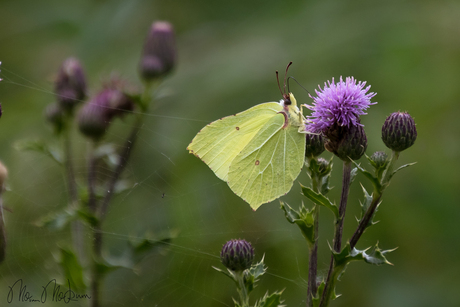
<point>339,104</point>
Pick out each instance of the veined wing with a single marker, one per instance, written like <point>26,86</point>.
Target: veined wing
<point>218,143</point>
<point>268,165</point>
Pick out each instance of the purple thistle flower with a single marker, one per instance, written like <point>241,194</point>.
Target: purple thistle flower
<point>339,104</point>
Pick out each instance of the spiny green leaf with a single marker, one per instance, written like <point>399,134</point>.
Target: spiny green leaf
<point>72,269</point>
<point>374,180</point>
<point>365,206</point>
<point>353,174</point>
<point>400,168</point>
<point>320,199</point>
<point>304,219</point>
<point>236,303</point>
<point>258,269</point>
<point>319,293</point>
<point>325,188</point>
<point>272,300</point>
<point>227,273</point>
<point>373,255</point>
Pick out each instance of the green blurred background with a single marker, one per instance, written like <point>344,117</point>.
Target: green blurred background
<point>409,51</point>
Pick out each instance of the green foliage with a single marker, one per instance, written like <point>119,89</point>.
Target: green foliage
<point>365,205</point>
<point>245,282</point>
<point>72,269</point>
<point>272,300</point>
<point>41,147</point>
<point>304,218</point>
<point>320,200</point>
<point>372,255</point>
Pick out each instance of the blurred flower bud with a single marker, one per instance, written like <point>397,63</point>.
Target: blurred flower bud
<point>380,159</point>
<point>159,55</point>
<point>70,85</point>
<point>398,131</point>
<point>353,144</point>
<point>96,115</point>
<point>314,145</point>
<point>237,255</point>
<point>55,115</point>
<point>118,102</point>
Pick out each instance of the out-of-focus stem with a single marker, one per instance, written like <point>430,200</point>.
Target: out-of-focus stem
<point>76,226</point>
<point>95,273</point>
<point>92,171</point>
<point>122,162</point>
<point>125,154</point>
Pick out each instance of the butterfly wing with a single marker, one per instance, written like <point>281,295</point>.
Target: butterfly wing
<point>268,165</point>
<point>218,143</point>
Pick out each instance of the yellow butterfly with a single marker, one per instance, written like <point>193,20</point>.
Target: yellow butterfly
<point>258,152</point>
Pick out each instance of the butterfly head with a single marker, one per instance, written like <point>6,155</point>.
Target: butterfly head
<point>288,99</point>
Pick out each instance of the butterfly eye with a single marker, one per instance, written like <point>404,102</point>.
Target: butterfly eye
<point>287,100</point>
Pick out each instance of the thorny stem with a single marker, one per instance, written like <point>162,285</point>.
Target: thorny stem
<point>343,205</point>
<point>330,281</point>
<point>377,195</point>
<point>365,220</point>
<point>313,250</point>
<point>242,291</point>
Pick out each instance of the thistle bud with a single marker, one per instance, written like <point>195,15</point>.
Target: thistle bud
<point>55,116</point>
<point>324,167</point>
<point>159,55</point>
<point>94,116</point>
<point>118,102</point>
<point>398,131</point>
<point>314,145</point>
<point>70,85</point>
<point>237,255</point>
<point>379,159</point>
<point>353,144</point>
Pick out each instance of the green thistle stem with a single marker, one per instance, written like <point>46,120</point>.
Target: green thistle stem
<point>313,250</point>
<point>332,274</point>
<point>376,197</point>
<point>76,226</point>
<point>242,291</point>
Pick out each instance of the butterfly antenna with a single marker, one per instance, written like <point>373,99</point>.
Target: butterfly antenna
<point>298,84</point>
<point>278,80</point>
<point>285,75</point>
